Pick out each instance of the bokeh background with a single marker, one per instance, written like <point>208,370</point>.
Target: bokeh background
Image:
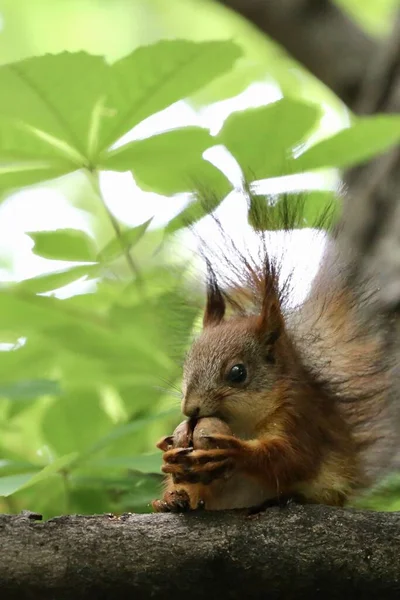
<point>93,331</point>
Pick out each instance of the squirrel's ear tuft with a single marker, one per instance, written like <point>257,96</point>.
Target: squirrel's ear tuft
<point>270,327</point>
<point>270,323</point>
<point>215,308</point>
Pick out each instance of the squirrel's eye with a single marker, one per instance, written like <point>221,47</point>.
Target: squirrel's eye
<point>237,374</point>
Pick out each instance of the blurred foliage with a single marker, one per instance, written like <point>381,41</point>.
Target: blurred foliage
<point>88,377</point>
<point>375,17</point>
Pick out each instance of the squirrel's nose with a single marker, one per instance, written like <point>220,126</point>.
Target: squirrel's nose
<point>190,410</point>
<point>191,406</point>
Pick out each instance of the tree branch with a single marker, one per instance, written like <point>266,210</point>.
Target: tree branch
<point>334,554</point>
<point>317,34</point>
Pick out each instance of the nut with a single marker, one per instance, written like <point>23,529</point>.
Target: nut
<point>189,434</point>
<point>208,426</point>
<point>182,436</point>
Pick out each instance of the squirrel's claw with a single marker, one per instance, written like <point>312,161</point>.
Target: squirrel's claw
<point>177,454</point>
<point>220,441</point>
<point>166,443</point>
<point>198,466</point>
<point>175,501</point>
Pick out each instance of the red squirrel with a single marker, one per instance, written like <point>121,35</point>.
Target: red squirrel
<point>281,402</point>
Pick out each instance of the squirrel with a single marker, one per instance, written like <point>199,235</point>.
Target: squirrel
<point>295,402</point>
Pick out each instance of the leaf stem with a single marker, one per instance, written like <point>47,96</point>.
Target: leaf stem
<point>133,267</point>
<point>67,492</point>
<point>10,505</point>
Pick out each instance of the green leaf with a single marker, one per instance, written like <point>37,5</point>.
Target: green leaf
<point>51,124</point>
<point>55,280</point>
<point>30,389</point>
<point>12,483</point>
<point>246,72</point>
<point>368,137</point>
<point>262,139</point>
<point>127,429</point>
<point>49,498</point>
<point>146,463</point>
<point>128,239</point>
<point>50,111</point>
<point>54,468</point>
<point>154,77</point>
<point>127,492</point>
<point>24,312</point>
<point>25,362</point>
<point>138,497</point>
<point>21,173</point>
<point>64,244</point>
<point>14,467</point>
<point>46,116</point>
<point>75,421</point>
<point>116,348</point>
<point>170,162</point>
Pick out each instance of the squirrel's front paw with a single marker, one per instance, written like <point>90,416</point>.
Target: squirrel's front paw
<point>175,501</point>
<point>219,441</point>
<point>199,466</point>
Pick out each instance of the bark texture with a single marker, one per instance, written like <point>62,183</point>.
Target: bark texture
<point>317,34</point>
<point>371,219</point>
<point>292,552</point>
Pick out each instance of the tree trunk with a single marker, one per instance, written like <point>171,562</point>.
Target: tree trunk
<point>317,34</point>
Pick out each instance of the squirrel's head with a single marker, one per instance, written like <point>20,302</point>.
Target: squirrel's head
<point>234,368</point>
